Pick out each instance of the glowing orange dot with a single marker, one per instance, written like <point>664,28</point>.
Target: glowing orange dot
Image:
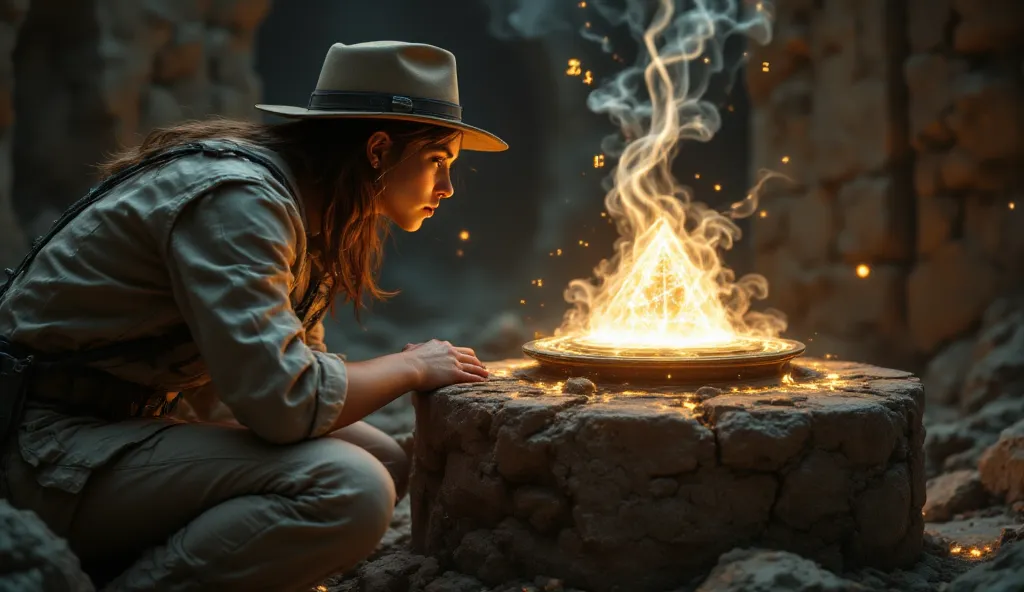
<point>863,271</point>
<point>696,176</point>
<point>718,187</point>
<point>1012,205</point>
<point>464,235</point>
<point>763,213</point>
<point>785,159</point>
<point>975,553</point>
<point>522,302</point>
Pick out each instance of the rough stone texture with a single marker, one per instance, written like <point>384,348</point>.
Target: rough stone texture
<point>1005,573</point>
<point>514,477</point>
<point>828,115</point>
<point>945,373</point>
<point>952,493</point>
<point>758,570</point>
<point>997,366</point>
<point>1002,465</point>
<point>93,76</point>
<point>959,443</point>
<point>33,558</point>
<point>903,124</point>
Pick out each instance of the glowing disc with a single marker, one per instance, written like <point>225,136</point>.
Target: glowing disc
<point>742,359</point>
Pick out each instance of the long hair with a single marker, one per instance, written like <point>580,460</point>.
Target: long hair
<point>327,156</point>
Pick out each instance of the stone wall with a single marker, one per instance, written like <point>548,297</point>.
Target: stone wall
<point>901,123</point>
<point>88,77</point>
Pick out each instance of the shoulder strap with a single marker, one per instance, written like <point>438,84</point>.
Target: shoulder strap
<point>144,345</point>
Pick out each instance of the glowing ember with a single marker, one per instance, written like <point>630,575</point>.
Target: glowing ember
<point>863,271</point>
<point>666,293</point>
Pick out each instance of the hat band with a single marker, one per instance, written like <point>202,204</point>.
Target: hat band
<point>371,102</point>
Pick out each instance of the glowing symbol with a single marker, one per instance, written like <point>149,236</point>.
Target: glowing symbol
<point>598,161</point>
<point>588,78</point>
<point>764,67</point>
<point>718,187</point>
<point>763,213</point>
<point>574,68</point>
<point>863,271</point>
<point>785,159</point>
<point>464,235</point>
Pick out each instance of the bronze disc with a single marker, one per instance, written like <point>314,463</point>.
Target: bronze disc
<point>744,360</point>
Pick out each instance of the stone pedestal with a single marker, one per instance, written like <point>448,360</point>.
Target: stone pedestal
<point>642,487</point>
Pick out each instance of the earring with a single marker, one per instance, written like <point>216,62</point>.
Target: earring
<point>375,164</point>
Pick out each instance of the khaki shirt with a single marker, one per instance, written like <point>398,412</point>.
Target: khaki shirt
<point>213,242</point>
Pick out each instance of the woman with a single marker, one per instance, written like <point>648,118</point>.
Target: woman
<point>202,267</point>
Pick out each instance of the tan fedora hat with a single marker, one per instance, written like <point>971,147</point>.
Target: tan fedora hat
<point>391,80</point>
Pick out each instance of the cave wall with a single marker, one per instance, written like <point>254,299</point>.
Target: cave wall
<point>79,80</point>
<point>901,125</point>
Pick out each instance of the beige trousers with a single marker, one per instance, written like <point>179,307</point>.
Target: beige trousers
<point>211,507</point>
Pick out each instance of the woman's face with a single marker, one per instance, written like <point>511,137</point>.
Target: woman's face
<point>415,185</point>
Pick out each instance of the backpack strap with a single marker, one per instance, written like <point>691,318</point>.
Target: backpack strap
<point>181,335</point>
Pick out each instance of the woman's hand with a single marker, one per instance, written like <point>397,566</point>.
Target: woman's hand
<point>439,363</point>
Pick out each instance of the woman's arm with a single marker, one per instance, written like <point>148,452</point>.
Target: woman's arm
<point>424,367</point>
<point>229,258</point>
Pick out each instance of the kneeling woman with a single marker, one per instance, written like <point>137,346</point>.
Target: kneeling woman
<point>202,266</point>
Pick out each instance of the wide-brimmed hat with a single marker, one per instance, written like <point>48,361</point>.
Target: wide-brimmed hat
<point>391,80</point>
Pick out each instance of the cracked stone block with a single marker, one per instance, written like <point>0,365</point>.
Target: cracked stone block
<point>947,293</point>
<point>33,558</point>
<point>954,493</point>
<point>644,487</point>
<point>1002,465</point>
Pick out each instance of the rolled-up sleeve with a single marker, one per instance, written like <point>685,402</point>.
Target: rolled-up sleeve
<point>230,256</point>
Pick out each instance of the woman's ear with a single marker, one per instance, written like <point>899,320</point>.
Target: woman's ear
<point>377,148</point>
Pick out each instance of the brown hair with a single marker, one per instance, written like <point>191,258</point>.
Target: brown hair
<point>325,155</point>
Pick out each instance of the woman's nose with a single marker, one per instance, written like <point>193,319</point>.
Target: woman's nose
<point>445,189</point>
